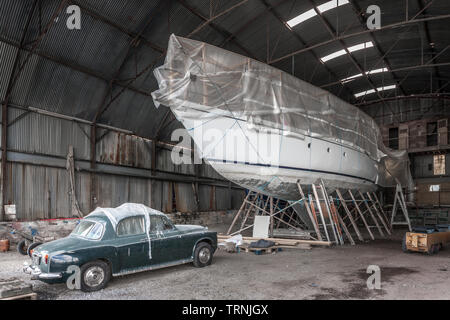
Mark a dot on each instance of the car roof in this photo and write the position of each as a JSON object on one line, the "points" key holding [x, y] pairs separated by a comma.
{"points": [[115, 215]]}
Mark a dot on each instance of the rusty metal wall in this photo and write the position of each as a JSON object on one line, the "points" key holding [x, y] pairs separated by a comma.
{"points": [[39, 186], [40, 134], [122, 149]]}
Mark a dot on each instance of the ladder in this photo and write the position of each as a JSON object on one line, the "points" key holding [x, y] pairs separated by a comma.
{"points": [[399, 200], [329, 222]]}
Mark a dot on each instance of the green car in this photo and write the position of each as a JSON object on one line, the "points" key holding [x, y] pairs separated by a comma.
{"points": [[114, 242]]}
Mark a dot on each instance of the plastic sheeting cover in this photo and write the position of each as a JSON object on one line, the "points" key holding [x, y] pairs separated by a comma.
{"points": [[201, 80], [115, 215], [394, 168]]}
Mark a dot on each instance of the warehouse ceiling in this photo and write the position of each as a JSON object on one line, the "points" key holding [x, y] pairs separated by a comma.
{"points": [[103, 72]]}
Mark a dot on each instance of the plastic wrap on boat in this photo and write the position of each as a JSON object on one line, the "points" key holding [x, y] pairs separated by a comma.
{"points": [[200, 81], [394, 168]]}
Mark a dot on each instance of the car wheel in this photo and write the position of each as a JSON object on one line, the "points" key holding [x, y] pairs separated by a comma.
{"points": [[22, 247], [32, 246], [203, 255], [94, 276]]}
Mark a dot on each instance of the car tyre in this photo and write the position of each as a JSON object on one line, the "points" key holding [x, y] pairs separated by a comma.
{"points": [[22, 247], [203, 255], [95, 276], [32, 246]]}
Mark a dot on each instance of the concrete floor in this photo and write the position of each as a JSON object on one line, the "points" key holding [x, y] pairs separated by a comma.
{"points": [[320, 273]]}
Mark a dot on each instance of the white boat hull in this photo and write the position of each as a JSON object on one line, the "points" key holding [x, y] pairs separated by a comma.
{"points": [[242, 155]]}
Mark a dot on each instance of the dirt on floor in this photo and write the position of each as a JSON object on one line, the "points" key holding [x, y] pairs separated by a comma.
{"points": [[320, 273]]}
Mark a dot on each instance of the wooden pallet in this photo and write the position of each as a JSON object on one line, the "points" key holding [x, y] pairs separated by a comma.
{"points": [[260, 251], [288, 242], [28, 296]]}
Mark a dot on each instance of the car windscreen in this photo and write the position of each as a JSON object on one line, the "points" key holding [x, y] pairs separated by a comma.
{"points": [[89, 230]]}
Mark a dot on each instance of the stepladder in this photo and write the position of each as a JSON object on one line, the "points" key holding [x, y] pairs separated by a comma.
{"points": [[400, 202]]}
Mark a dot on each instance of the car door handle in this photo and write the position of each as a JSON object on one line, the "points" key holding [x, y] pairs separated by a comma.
{"points": [[144, 240]]}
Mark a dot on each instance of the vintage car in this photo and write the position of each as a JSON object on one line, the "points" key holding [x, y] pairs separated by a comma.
{"points": [[113, 242]]}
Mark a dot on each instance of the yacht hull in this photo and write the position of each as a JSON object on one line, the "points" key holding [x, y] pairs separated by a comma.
{"points": [[272, 163]]}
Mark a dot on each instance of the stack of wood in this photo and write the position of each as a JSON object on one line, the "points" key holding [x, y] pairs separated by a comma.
{"points": [[279, 243], [15, 289]]}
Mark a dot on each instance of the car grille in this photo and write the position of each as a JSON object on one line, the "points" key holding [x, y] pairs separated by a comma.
{"points": [[36, 259]]}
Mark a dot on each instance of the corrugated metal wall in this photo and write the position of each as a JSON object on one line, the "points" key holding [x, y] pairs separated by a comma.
{"points": [[39, 186]]}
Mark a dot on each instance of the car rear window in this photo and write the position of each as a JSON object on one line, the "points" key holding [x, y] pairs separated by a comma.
{"points": [[131, 226], [89, 230]]}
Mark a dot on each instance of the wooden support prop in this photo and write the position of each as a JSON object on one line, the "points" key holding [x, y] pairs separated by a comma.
{"points": [[378, 214], [361, 215], [313, 210], [272, 215], [344, 227], [330, 215], [249, 210], [308, 209], [381, 208], [239, 212], [349, 215], [340, 223], [371, 214]]}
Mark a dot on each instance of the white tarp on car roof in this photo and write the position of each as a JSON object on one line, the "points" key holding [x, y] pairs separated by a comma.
{"points": [[115, 215]]}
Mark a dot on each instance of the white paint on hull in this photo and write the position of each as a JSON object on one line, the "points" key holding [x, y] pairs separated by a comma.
{"points": [[240, 154]]}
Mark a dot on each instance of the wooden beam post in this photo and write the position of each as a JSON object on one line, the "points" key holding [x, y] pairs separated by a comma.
{"points": [[360, 214]]}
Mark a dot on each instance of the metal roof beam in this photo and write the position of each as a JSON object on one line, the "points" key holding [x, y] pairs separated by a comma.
{"points": [[332, 33], [98, 17], [249, 22], [442, 96], [218, 29], [210, 20], [72, 66], [134, 42], [351, 35], [11, 83], [299, 39], [428, 36], [417, 67], [357, 11]]}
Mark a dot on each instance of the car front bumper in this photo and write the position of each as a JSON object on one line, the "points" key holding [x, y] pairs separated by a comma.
{"points": [[37, 274]]}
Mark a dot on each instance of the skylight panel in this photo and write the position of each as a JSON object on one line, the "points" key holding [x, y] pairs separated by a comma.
{"points": [[302, 17], [387, 88], [350, 49], [378, 71], [312, 13], [360, 46], [352, 77], [360, 94], [331, 5], [360, 74], [333, 55]]}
